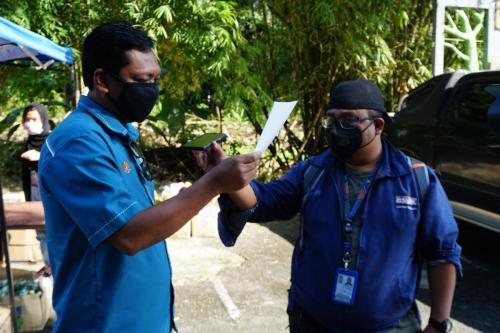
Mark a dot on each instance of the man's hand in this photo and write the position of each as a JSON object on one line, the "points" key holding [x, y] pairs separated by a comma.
{"points": [[158, 222], [229, 174], [31, 155], [206, 160]]}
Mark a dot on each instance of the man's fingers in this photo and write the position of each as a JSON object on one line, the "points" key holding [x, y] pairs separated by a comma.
{"points": [[215, 147], [237, 171], [244, 163], [201, 160], [247, 167], [248, 170], [217, 153], [249, 158]]}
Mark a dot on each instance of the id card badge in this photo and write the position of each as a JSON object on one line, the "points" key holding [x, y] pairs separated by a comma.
{"points": [[344, 290]]}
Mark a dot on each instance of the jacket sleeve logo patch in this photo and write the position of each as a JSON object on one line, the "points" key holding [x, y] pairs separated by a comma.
{"points": [[406, 201], [125, 167]]}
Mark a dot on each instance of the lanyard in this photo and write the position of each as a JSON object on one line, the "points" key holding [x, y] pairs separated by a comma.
{"points": [[349, 214], [140, 163]]}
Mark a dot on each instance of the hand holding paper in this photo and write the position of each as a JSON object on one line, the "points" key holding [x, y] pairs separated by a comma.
{"points": [[279, 114]]}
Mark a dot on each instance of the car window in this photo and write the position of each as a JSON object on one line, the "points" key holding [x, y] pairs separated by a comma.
{"points": [[424, 103], [476, 100]]}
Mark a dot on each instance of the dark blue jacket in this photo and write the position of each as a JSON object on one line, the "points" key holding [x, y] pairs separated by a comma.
{"points": [[397, 232]]}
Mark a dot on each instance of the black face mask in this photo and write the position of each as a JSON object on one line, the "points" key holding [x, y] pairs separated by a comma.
{"points": [[136, 100], [345, 142]]}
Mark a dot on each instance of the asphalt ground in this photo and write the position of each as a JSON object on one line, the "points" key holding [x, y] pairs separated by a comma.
{"points": [[238, 289], [244, 288]]}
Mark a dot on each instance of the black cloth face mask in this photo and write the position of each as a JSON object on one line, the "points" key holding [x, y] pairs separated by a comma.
{"points": [[345, 142], [136, 100]]}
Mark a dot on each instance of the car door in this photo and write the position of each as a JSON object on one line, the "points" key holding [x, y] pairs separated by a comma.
{"points": [[416, 121], [468, 149]]}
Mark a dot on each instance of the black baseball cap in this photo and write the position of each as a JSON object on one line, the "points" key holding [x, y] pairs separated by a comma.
{"points": [[358, 94]]}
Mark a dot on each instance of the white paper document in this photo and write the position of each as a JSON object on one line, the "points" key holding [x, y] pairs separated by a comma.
{"points": [[279, 114]]}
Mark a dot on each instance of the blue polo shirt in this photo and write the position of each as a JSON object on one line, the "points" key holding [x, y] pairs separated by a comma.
{"points": [[91, 185]]}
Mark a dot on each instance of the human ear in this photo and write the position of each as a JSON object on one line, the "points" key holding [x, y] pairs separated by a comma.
{"points": [[379, 125], [100, 81]]}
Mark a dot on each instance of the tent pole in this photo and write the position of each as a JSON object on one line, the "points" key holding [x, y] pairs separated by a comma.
{"points": [[74, 85], [8, 271]]}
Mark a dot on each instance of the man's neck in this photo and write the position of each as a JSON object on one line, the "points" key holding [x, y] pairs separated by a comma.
{"points": [[105, 103], [367, 161], [365, 167]]}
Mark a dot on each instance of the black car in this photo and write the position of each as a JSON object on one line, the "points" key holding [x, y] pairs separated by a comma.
{"points": [[451, 122]]}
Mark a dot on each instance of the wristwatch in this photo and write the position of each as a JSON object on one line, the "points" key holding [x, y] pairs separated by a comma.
{"points": [[444, 326]]}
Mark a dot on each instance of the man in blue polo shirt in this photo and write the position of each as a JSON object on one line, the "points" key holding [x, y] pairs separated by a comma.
{"points": [[105, 233]]}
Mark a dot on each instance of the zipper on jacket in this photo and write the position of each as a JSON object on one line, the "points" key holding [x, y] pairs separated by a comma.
{"points": [[342, 215], [362, 220], [362, 223]]}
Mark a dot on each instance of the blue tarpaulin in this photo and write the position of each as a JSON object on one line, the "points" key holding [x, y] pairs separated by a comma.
{"points": [[18, 43]]}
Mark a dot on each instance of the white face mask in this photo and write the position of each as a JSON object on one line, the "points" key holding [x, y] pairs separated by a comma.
{"points": [[33, 128]]}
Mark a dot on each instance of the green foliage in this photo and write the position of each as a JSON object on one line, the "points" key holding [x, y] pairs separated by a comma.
{"points": [[65, 23], [330, 41], [10, 163], [225, 62]]}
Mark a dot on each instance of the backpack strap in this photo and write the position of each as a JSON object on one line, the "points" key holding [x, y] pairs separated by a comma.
{"points": [[311, 179], [421, 176], [312, 176]]}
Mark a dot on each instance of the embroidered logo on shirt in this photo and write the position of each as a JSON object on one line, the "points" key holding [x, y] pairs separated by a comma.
{"points": [[125, 167], [406, 201]]}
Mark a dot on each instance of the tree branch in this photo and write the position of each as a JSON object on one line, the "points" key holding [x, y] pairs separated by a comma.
{"points": [[465, 20], [479, 16], [479, 26], [457, 51], [456, 32], [451, 22]]}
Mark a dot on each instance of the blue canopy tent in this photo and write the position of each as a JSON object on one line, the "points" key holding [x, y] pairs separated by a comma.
{"points": [[18, 45]]}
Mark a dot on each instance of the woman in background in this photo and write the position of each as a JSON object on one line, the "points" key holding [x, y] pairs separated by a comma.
{"points": [[36, 124]]}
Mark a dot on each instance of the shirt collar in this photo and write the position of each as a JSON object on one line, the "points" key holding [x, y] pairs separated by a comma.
{"points": [[107, 119], [392, 162]]}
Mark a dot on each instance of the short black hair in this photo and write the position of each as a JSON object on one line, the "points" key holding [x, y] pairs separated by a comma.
{"points": [[106, 45]]}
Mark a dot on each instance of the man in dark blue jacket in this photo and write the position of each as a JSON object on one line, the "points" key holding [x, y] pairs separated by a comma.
{"points": [[365, 228]]}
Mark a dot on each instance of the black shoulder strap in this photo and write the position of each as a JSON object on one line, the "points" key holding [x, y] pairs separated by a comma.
{"points": [[312, 175], [421, 175], [311, 178]]}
